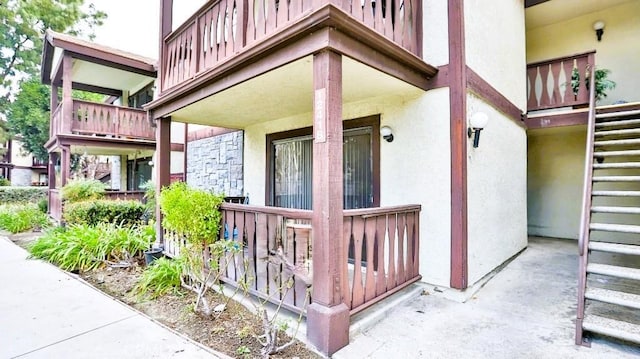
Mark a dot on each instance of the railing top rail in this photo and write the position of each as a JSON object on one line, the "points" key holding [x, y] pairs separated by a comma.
{"points": [[108, 192], [382, 210], [110, 105], [191, 20], [286, 212], [561, 58]]}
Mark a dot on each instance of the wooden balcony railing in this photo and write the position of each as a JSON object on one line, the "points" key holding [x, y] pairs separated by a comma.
{"points": [[124, 195], [270, 235], [91, 118], [223, 28], [38, 163], [55, 204], [560, 82]]}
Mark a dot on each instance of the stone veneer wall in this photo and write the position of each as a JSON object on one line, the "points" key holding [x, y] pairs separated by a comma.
{"points": [[216, 163], [21, 177]]}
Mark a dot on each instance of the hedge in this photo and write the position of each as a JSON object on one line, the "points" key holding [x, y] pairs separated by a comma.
{"points": [[22, 194], [126, 213]]}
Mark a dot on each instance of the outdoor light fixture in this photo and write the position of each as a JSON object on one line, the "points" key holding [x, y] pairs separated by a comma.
{"points": [[385, 132], [477, 122], [599, 27], [150, 163]]}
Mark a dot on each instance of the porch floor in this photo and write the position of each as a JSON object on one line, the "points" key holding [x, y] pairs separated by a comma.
{"points": [[526, 311]]}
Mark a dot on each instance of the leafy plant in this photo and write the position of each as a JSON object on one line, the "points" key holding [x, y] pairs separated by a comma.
{"points": [[22, 194], [83, 248], [125, 213], [43, 205], [149, 189], [161, 277], [4, 182], [21, 218], [603, 84], [82, 190]]}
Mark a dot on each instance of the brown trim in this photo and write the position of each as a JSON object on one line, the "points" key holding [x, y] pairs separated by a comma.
{"points": [[441, 79], [573, 118], [177, 147], [163, 167], [208, 132], [369, 121], [80, 140], [110, 61], [97, 89], [560, 58], [483, 89], [310, 35], [458, 133], [530, 3], [184, 152]]}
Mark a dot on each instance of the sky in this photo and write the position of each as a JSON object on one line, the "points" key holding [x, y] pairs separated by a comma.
{"points": [[132, 25]]}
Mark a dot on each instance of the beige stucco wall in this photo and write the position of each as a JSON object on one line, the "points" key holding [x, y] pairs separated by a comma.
{"points": [[495, 45], [435, 26], [497, 192], [415, 167], [177, 162], [19, 157], [618, 51], [556, 168]]}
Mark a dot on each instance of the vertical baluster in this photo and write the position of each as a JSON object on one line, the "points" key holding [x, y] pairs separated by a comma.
{"points": [[381, 280], [377, 16], [401, 246], [358, 234], [270, 24], [367, 17], [370, 233], [356, 9], [397, 22], [231, 224], [283, 13], [222, 263], [251, 21], [250, 225], [260, 19], [295, 9], [289, 238], [301, 248], [262, 253], [240, 256], [410, 243], [348, 240], [392, 280], [556, 97], [406, 24], [569, 96], [416, 244], [273, 275], [532, 74], [116, 122], [544, 75], [583, 69]]}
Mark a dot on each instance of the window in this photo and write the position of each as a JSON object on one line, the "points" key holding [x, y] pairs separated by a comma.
{"points": [[138, 172], [142, 97], [290, 169]]}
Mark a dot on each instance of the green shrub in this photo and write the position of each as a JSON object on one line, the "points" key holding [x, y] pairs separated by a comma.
{"points": [[43, 205], [160, 278], [22, 194], [21, 218], [82, 190], [4, 182], [126, 213], [83, 247]]}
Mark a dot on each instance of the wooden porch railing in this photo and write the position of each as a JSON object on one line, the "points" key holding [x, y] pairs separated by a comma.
{"points": [[384, 252], [91, 118], [270, 235], [55, 204], [549, 83], [223, 28], [124, 195]]}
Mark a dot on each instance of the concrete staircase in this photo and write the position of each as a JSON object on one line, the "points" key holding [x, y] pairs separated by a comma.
{"points": [[609, 285]]}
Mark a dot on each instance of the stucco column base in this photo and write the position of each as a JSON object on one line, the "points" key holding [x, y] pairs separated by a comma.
{"points": [[328, 327]]}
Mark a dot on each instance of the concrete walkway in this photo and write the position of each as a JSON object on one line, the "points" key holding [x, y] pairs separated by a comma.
{"points": [[46, 313], [526, 311]]}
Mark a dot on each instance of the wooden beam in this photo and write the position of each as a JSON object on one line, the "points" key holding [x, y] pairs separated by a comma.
{"points": [[328, 316], [484, 90], [162, 167], [573, 118], [530, 3], [458, 130], [67, 101]]}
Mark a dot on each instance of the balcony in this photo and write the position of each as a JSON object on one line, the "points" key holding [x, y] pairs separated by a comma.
{"points": [[102, 120], [38, 163], [222, 31]]}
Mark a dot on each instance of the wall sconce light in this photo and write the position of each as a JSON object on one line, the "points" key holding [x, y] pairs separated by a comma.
{"points": [[598, 26], [150, 163], [386, 133], [477, 122]]}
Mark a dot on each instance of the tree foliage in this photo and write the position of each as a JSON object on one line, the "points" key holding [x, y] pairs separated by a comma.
{"points": [[22, 29]]}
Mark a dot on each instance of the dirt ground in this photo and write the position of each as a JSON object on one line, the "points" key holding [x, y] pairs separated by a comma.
{"points": [[233, 332]]}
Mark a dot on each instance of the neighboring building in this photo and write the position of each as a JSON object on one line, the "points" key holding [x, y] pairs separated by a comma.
{"points": [[20, 167]]}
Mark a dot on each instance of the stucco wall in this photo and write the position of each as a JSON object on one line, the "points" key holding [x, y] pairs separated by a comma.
{"points": [[19, 157], [618, 51], [115, 172], [495, 45], [435, 46], [497, 192], [415, 167], [21, 177]]}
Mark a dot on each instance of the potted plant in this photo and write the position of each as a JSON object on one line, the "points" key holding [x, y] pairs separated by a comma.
{"points": [[603, 84]]}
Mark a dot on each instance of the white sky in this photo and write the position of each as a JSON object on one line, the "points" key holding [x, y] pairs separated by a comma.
{"points": [[132, 25]]}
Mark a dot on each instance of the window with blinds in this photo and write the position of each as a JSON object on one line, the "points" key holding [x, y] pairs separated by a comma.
{"points": [[293, 173]]}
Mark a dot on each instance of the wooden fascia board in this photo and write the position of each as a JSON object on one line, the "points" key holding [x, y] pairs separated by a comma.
{"points": [[557, 120], [480, 87], [80, 140]]}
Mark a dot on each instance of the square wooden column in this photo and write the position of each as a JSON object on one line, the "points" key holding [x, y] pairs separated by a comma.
{"points": [[162, 167], [65, 165], [51, 169], [328, 316], [67, 99], [53, 105]]}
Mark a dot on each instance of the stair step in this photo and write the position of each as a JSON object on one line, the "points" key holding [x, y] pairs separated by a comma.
{"points": [[621, 165], [617, 123], [610, 115], [616, 153], [614, 248], [616, 193], [625, 132], [613, 297], [609, 209], [606, 227], [614, 271], [612, 328], [632, 141], [616, 178]]}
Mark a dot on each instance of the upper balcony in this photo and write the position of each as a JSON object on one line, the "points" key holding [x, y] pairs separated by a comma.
{"points": [[116, 125]]}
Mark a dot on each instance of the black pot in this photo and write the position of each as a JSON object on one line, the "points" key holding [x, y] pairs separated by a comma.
{"points": [[152, 254]]}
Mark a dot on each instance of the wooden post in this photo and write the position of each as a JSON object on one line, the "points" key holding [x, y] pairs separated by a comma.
{"points": [[65, 165], [53, 105], [184, 153], [166, 22], [328, 316], [53, 158], [162, 167], [67, 100]]}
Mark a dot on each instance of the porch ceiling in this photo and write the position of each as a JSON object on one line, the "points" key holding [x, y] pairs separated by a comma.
{"points": [[555, 11], [90, 73], [284, 92]]}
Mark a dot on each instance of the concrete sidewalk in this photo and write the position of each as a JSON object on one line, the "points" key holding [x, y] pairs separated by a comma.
{"points": [[46, 313], [526, 311]]}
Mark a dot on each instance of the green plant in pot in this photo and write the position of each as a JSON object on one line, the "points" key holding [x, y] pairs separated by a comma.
{"points": [[603, 84]]}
